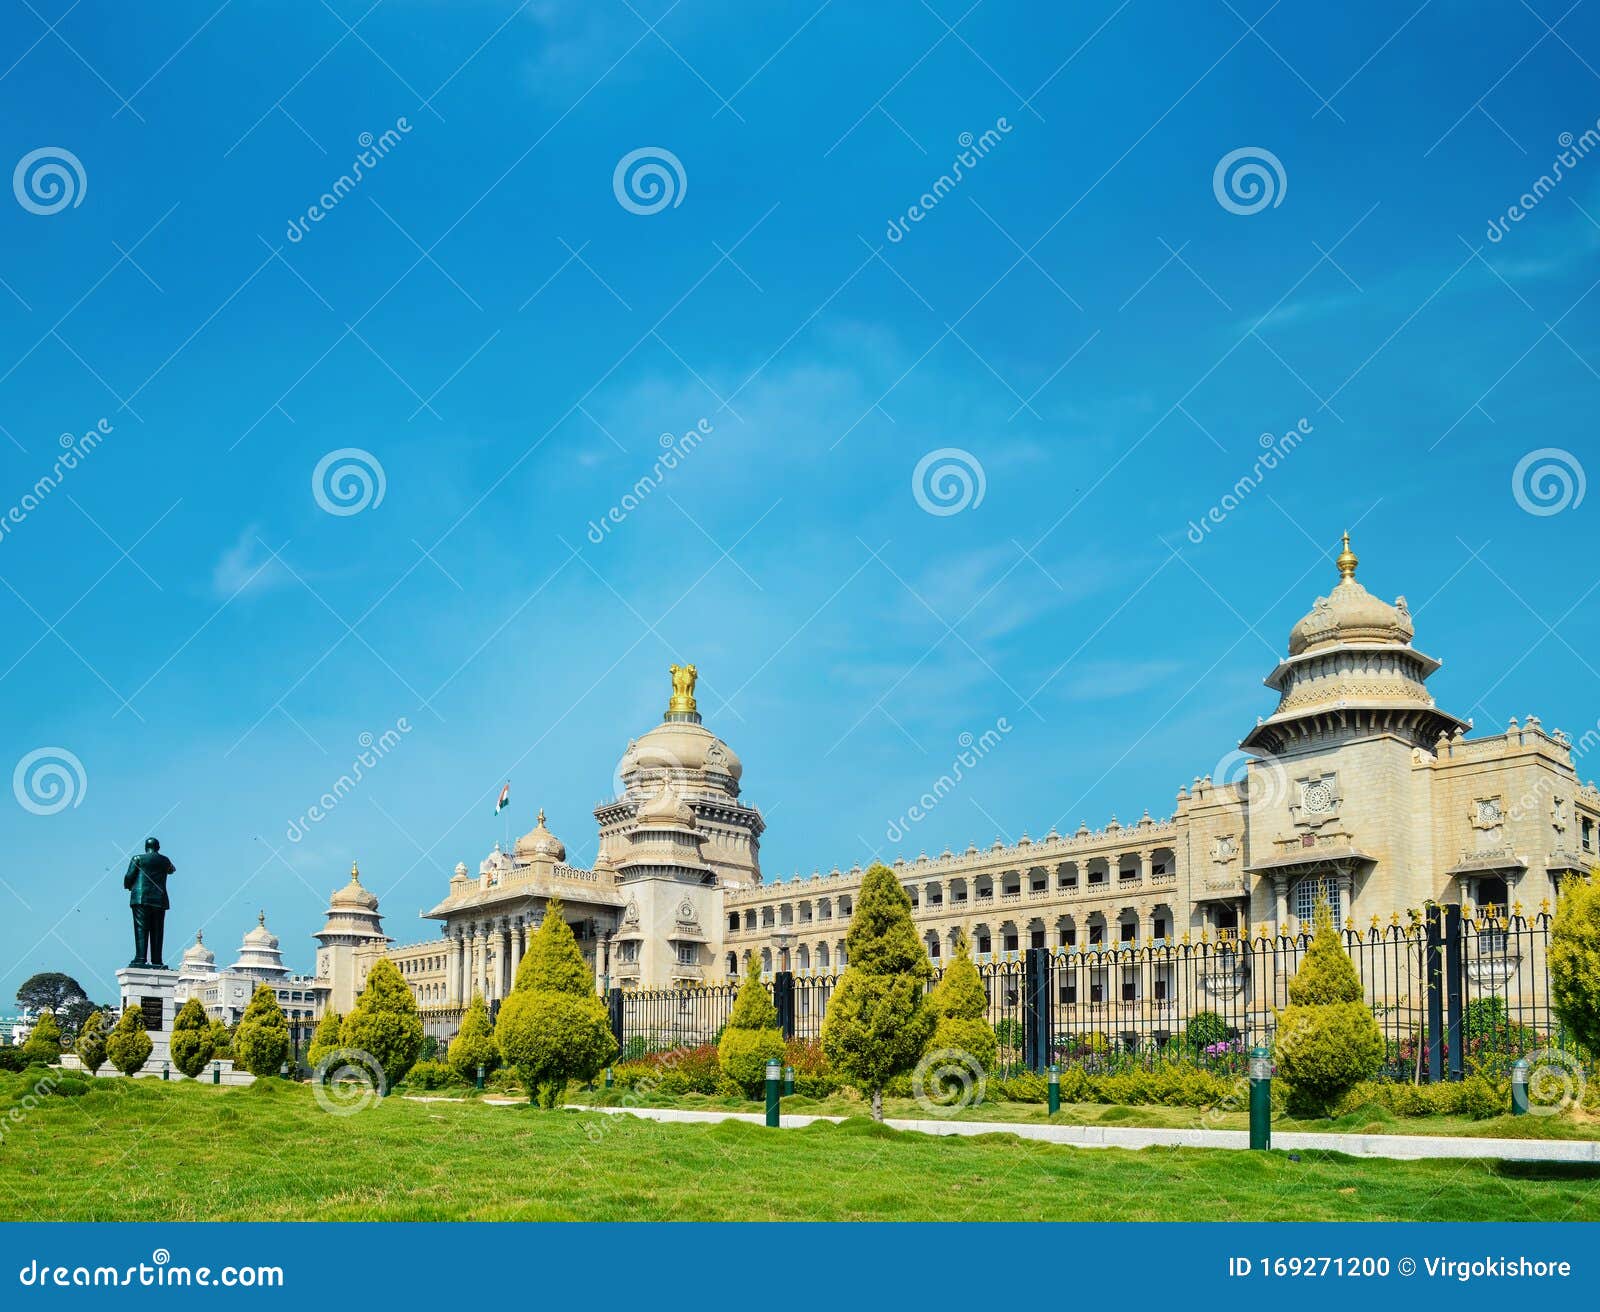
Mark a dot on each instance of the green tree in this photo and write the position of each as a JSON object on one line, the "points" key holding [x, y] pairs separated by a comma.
{"points": [[191, 1039], [221, 1041], [877, 1022], [261, 1042], [1327, 1040], [43, 1044], [751, 1037], [326, 1039], [1575, 960], [960, 1008], [473, 1045], [385, 1023], [48, 991], [91, 1046], [129, 1046], [553, 1028]]}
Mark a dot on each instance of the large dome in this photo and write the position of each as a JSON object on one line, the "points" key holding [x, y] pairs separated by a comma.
{"points": [[681, 745], [1351, 614], [352, 895], [197, 953]]}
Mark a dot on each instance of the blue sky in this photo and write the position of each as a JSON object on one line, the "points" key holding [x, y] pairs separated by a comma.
{"points": [[1080, 316]]}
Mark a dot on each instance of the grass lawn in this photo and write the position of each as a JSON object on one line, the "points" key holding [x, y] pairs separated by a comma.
{"points": [[1368, 1120], [135, 1149]]}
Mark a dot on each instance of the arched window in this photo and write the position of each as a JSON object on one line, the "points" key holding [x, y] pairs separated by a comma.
{"points": [[766, 961], [822, 956], [1313, 889], [733, 963], [803, 957]]}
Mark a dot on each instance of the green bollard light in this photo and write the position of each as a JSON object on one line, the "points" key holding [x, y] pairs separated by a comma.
{"points": [[774, 1072], [1519, 1087], [1260, 1097], [216, 1072], [608, 1077], [1055, 1088], [480, 1077], [788, 1081]]}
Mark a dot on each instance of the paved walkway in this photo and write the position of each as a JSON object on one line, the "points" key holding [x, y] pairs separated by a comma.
{"points": [[1405, 1147]]}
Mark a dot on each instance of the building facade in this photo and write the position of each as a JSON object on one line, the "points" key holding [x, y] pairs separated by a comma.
{"points": [[1356, 788]]}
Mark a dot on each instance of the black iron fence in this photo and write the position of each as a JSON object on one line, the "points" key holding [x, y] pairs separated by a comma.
{"points": [[1445, 989]]}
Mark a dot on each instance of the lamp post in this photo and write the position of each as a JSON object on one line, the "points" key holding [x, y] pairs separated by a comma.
{"points": [[216, 1072], [165, 1068], [1519, 1087], [773, 1073], [1260, 1097], [1055, 1088], [480, 1077], [788, 1081]]}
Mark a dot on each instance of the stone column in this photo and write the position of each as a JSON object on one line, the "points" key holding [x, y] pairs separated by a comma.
{"points": [[1146, 857], [518, 940], [502, 963], [452, 970]]}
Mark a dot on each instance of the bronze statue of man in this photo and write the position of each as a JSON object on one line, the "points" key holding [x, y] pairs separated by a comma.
{"points": [[146, 881]]}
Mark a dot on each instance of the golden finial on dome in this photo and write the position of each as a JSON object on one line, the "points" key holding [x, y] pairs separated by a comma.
{"points": [[355, 873], [541, 815], [683, 681], [1348, 560]]}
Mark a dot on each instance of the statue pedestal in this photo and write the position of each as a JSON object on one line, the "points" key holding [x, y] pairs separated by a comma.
{"points": [[152, 992]]}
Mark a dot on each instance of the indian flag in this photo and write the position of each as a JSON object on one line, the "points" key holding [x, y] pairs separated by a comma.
{"points": [[505, 798]]}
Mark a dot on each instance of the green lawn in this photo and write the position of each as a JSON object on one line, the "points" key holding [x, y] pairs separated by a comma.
{"points": [[137, 1150], [1369, 1120]]}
